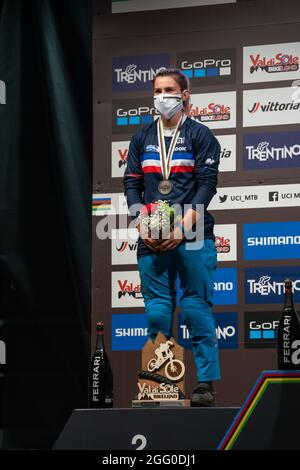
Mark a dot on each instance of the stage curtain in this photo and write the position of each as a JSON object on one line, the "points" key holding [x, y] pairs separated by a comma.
{"points": [[45, 215]]}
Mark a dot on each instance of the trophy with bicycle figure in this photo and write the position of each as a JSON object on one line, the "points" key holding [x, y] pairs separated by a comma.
{"points": [[162, 374]]}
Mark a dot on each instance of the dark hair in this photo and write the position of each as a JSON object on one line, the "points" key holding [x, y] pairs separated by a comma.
{"points": [[178, 76]]}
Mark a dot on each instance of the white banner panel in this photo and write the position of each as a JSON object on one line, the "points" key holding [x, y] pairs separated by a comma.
{"points": [[215, 110], [124, 246], [126, 290], [226, 242], [254, 197], [271, 62], [119, 152], [271, 106], [124, 6], [228, 152]]}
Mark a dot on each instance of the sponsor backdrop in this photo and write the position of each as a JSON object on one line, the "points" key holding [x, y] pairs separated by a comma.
{"points": [[245, 87]]}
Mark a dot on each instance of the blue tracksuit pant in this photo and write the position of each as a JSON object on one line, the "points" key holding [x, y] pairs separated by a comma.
{"points": [[195, 268]]}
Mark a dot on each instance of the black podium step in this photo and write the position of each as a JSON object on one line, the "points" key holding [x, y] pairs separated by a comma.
{"points": [[149, 429]]}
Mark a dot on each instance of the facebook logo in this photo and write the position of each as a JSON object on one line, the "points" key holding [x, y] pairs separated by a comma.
{"points": [[273, 196]]}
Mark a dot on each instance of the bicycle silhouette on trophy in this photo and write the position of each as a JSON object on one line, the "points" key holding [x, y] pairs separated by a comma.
{"points": [[174, 369]]}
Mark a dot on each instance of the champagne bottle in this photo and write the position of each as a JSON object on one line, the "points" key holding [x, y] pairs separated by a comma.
{"points": [[288, 334], [100, 375]]}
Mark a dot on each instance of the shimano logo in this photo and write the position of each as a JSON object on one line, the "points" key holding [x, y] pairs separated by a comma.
{"points": [[2, 352], [131, 74], [270, 241], [130, 332], [264, 286], [264, 153], [2, 92], [223, 286]]}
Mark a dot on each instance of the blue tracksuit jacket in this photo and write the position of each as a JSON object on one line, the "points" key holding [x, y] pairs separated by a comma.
{"points": [[194, 170]]}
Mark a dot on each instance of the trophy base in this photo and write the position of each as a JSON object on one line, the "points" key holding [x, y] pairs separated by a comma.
{"points": [[161, 404]]}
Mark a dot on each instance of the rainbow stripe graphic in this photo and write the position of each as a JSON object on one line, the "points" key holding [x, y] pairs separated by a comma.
{"points": [[265, 379], [100, 204]]}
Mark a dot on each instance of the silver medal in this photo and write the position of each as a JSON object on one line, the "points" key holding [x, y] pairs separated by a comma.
{"points": [[165, 187]]}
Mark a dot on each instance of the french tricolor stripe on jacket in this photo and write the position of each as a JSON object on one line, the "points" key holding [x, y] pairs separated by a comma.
{"points": [[181, 162]]}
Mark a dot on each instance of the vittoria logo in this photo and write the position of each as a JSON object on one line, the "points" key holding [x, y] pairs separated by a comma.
{"points": [[271, 106], [271, 62], [274, 106], [126, 246]]}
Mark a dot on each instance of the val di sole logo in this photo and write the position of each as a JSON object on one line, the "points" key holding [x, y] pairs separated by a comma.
{"points": [[208, 67], [261, 329], [215, 110], [271, 62]]}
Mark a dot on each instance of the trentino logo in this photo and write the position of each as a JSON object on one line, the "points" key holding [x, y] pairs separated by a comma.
{"points": [[261, 329], [266, 285], [273, 240], [226, 331], [274, 106], [137, 72], [272, 150], [129, 332], [208, 66]]}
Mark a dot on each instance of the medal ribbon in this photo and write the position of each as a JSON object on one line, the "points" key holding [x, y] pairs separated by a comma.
{"points": [[165, 160]]}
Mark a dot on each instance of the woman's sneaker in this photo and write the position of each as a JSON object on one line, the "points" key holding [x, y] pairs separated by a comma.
{"points": [[203, 395]]}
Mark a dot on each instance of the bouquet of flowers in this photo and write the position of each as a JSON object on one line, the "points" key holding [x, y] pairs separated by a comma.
{"points": [[158, 219]]}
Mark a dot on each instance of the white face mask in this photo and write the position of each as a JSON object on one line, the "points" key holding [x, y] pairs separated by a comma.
{"points": [[167, 104]]}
